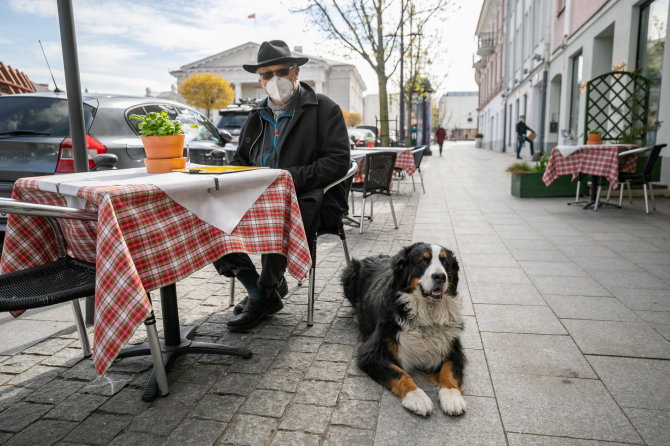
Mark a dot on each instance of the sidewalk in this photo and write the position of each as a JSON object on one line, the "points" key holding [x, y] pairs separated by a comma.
{"points": [[568, 322]]}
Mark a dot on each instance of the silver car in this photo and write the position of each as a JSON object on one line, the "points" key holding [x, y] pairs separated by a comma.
{"points": [[34, 134]]}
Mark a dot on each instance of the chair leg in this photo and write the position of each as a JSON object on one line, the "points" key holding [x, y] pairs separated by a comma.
{"points": [[393, 211], [231, 292], [343, 237], [653, 200], [311, 285], [595, 206], [421, 178], [353, 199], [609, 192], [372, 208], [156, 355], [413, 186], [646, 199], [579, 183], [360, 228], [630, 192], [81, 327]]}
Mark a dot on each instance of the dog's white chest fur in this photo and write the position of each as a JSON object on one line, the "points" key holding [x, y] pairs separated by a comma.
{"points": [[424, 340]]}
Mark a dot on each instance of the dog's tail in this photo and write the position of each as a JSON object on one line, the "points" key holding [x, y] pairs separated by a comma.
{"points": [[350, 281]]}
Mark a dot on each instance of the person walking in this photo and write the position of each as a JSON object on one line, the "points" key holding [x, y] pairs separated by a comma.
{"points": [[303, 132], [521, 138], [440, 135]]}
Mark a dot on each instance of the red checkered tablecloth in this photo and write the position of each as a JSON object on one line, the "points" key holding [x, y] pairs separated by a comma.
{"points": [[599, 160], [143, 240]]}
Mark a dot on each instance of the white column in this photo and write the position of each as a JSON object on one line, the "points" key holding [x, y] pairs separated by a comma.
{"points": [[238, 91], [663, 135]]}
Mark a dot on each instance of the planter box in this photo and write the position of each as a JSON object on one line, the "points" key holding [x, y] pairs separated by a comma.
{"points": [[530, 185]]}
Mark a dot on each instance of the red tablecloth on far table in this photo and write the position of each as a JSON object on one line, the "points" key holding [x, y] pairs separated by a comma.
{"points": [[143, 240], [599, 160]]}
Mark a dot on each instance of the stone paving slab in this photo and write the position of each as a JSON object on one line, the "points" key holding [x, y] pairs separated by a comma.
{"points": [[542, 284]]}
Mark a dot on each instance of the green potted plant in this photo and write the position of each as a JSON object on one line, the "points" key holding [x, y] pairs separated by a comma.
{"points": [[163, 140], [594, 137], [527, 181], [478, 140]]}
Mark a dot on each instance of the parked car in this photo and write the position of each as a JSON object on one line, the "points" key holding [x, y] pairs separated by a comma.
{"points": [[233, 118], [34, 134], [360, 137], [374, 130]]}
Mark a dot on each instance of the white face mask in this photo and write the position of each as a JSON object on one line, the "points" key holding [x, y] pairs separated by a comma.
{"points": [[280, 89]]}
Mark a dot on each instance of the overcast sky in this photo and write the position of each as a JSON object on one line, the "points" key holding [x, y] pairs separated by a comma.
{"points": [[125, 46]]}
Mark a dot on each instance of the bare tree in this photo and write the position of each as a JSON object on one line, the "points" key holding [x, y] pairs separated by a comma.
{"points": [[372, 29]]}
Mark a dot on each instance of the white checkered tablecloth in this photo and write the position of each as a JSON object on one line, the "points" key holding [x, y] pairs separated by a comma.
{"points": [[599, 160], [143, 240]]}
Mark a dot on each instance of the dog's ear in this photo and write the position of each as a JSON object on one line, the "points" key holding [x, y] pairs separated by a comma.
{"points": [[452, 273], [400, 267]]}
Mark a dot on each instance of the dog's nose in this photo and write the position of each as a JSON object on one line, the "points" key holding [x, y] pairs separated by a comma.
{"points": [[439, 277]]}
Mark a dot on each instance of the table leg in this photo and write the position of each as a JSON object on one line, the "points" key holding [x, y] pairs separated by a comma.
{"points": [[595, 185], [177, 341]]}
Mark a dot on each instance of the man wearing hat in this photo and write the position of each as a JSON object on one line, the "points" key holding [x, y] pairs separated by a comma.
{"points": [[298, 130]]}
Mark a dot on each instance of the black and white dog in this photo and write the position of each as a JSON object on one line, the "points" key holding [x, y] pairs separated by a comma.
{"points": [[410, 318]]}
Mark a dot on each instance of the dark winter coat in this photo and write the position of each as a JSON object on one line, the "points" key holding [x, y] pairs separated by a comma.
{"points": [[440, 134], [315, 150], [522, 128]]}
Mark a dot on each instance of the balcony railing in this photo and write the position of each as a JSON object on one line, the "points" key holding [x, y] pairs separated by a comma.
{"points": [[486, 44]]}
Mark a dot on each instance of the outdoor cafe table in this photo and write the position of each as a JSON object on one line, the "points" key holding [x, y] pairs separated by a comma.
{"points": [[144, 240], [600, 160]]}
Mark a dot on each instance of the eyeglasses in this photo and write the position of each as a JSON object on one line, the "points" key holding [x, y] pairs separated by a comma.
{"points": [[282, 72]]}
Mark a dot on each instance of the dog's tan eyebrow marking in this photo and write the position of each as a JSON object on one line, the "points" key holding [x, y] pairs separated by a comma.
{"points": [[443, 254], [426, 255]]}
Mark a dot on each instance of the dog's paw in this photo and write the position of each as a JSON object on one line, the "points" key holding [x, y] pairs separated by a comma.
{"points": [[452, 402], [418, 402]]}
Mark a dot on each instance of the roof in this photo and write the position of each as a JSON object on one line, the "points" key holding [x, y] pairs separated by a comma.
{"points": [[462, 93], [13, 81]]}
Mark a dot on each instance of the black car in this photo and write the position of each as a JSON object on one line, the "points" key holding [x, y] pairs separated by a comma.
{"points": [[234, 116], [34, 134]]}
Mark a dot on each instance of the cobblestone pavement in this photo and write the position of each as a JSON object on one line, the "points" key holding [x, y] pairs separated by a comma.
{"points": [[568, 322]]}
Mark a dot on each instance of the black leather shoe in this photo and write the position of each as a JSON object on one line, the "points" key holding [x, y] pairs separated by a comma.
{"points": [[282, 289], [254, 312]]}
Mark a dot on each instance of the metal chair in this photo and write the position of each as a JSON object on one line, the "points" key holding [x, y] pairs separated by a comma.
{"points": [[626, 177], [377, 181], [336, 229], [418, 156], [62, 280]]}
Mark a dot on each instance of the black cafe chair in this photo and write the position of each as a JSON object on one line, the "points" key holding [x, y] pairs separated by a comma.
{"points": [[418, 157], [62, 280], [625, 178], [324, 228], [376, 181]]}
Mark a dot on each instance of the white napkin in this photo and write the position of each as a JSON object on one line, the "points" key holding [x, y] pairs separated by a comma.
{"points": [[567, 150], [222, 208]]}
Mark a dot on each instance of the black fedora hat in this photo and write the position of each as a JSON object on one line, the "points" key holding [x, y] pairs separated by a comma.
{"points": [[274, 52]]}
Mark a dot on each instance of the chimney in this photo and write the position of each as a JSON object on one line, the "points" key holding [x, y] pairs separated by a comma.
{"points": [[297, 49]]}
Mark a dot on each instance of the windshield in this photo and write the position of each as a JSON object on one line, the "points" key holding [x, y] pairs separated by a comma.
{"points": [[26, 116], [232, 123]]}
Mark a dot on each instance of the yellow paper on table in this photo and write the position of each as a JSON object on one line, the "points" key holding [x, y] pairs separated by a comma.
{"points": [[217, 169]]}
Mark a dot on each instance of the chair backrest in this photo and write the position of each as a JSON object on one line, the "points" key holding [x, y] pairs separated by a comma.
{"points": [[418, 155], [651, 161], [654, 153], [379, 171]]}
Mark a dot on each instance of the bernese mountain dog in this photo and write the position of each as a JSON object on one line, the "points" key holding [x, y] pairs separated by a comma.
{"points": [[410, 318]]}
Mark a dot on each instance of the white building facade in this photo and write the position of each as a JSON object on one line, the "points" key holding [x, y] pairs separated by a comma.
{"points": [[458, 113], [339, 81], [600, 36], [488, 65]]}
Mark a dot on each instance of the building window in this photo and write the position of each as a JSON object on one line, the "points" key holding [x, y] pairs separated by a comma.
{"points": [[575, 86], [651, 45]]}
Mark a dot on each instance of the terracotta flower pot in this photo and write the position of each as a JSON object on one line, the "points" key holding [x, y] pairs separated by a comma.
{"points": [[161, 147], [164, 165], [594, 139]]}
